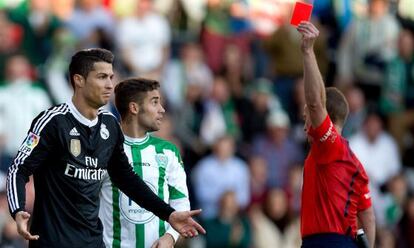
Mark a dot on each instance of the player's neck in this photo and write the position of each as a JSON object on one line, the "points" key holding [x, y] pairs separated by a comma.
{"points": [[86, 110], [338, 129], [132, 129]]}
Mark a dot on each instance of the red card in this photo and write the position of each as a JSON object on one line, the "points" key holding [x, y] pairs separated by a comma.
{"points": [[301, 12]]}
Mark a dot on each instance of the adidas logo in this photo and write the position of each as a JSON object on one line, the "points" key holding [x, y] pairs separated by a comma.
{"points": [[74, 132]]}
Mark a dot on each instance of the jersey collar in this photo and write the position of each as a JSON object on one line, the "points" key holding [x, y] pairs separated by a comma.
{"points": [[136, 141], [78, 116]]}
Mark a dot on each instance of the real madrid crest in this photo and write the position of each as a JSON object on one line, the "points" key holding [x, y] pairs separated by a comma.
{"points": [[75, 147], [104, 132]]}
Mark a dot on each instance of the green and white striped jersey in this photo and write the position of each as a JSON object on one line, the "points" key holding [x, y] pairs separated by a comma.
{"points": [[159, 164]]}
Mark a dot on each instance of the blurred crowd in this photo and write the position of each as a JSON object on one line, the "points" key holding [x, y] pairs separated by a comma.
{"points": [[231, 78]]}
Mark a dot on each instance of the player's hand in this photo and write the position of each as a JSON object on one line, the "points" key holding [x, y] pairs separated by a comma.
{"points": [[22, 220], [309, 34], [185, 224], [166, 241]]}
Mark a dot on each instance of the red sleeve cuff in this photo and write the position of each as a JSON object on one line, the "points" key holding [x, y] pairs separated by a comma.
{"points": [[364, 202], [324, 130]]}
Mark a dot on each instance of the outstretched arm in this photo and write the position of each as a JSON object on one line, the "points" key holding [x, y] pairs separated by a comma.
{"points": [[315, 96]]}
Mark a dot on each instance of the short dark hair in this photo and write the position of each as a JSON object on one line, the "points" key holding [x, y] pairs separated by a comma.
{"points": [[336, 105], [83, 61], [132, 90]]}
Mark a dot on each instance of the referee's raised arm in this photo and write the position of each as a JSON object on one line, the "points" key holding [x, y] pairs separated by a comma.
{"points": [[315, 96]]}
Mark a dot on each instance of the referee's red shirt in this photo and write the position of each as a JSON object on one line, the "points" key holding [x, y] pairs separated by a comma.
{"points": [[335, 185]]}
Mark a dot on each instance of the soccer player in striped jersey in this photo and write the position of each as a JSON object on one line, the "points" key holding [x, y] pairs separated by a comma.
{"points": [[156, 161]]}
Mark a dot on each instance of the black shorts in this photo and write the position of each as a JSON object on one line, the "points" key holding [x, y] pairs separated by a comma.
{"points": [[328, 240]]}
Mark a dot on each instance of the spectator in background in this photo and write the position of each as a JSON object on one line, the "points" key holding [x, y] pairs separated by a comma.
{"points": [[10, 39], [64, 44], [220, 116], [20, 102], [258, 180], [38, 26], [230, 228], [274, 226], [378, 152], [88, 20], [190, 68], [406, 13], [188, 123], [397, 96], [294, 188], [143, 41], [357, 111], [220, 172], [265, 17], [185, 17], [367, 46], [278, 149], [236, 69], [296, 116], [262, 102], [395, 199], [225, 24], [386, 238], [405, 229]]}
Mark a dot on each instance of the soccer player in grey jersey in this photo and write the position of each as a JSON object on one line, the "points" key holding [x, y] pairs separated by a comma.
{"points": [[68, 150]]}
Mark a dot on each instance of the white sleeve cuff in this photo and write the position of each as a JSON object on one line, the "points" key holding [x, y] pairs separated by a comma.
{"points": [[173, 233]]}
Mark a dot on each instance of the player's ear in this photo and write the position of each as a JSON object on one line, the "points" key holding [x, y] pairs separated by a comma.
{"points": [[79, 81], [133, 108]]}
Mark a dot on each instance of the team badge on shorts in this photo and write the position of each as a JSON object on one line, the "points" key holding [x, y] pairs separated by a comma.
{"points": [[75, 147]]}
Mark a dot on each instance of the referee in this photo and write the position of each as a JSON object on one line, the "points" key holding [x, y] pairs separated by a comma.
{"points": [[335, 193], [68, 150]]}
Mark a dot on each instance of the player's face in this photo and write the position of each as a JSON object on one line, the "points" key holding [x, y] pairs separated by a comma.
{"points": [[151, 112], [98, 87]]}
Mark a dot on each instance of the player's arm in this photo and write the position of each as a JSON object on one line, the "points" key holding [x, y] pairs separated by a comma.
{"points": [[367, 222], [315, 96], [134, 187], [177, 188], [35, 149], [366, 215], [123, 177]]}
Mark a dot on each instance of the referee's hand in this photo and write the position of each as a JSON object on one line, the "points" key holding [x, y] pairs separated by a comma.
{"points": [[22, 220], [183, 223]]}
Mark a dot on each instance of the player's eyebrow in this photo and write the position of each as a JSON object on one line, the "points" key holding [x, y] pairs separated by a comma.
{"points": [[105, 74]]}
